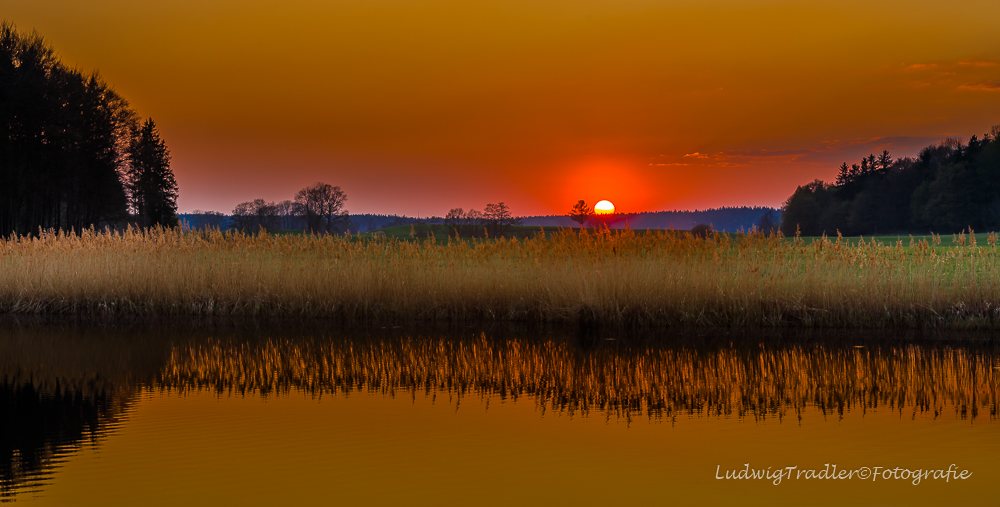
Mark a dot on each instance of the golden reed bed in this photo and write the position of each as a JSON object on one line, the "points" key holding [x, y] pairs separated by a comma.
{"points": [[609, 278]]}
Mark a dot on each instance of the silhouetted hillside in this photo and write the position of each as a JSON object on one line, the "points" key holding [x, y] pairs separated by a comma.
{"points": [[722, 219], [729, 219], [360, 223]]}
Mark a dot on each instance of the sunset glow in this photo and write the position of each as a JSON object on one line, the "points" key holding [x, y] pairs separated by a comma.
{"points": [[604, 208], [419, 107], [531, 252]]}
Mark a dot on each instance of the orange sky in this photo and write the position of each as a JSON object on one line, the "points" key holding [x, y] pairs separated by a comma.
{"points": [[418, 106]]}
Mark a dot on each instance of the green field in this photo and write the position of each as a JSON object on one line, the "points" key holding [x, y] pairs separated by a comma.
{"points": [[946, 240], [441, 232]]}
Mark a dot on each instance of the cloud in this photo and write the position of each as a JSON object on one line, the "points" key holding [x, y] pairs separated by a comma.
{"points": [[921, 66], [820, 159], [989, 86], [767, 153], [825, 155], [977, 63]]}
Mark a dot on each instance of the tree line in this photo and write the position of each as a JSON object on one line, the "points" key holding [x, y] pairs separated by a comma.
{"points": [[494, 221], [73, 153], [732, 219], [948, 187], [318, 208]]}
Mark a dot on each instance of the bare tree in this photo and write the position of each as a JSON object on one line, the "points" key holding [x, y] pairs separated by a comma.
{"points": [[322, 205], [581, 212], [254, 216], [474, 222], [454, 219], [702, 231], [286, 212], [498, 219], [199, 219]]}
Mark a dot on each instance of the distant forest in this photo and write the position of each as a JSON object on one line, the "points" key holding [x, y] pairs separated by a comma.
{"points": [[729, 219], [73, 154], [294, 222], [947, 188], [362, 222], [722, 219]]}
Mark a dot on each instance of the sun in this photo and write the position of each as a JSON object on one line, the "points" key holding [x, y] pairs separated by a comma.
{"points": [[604, 208]]}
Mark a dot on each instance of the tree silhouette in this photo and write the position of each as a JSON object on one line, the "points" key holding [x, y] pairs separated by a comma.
{"points": [[581, 212], [454, 218], [949, 186], [498, 219], [286, 213], [702, 231], [475, 222], [322, 205], [769, 223], [256, 215], [64, 140], [152, 188]]}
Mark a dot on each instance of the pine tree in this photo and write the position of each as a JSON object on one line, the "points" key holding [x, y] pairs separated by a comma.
{"points": [[581, 212], [152, 187]]}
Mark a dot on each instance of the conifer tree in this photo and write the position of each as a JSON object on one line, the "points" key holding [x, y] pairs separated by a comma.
{"points": [[581, 212], [152, 187]]}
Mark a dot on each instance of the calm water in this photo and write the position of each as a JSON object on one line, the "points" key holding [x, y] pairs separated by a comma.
{"points": [[209, 415]]}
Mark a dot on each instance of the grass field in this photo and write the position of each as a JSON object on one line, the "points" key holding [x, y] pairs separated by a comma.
{"points": [[617, 278]]}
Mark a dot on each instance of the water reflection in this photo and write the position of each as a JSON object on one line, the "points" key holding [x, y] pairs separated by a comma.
{"points": [[756, 380], [63, 387], [39, 425]]}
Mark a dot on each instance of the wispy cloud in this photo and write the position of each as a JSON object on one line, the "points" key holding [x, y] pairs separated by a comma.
{"points": [[989, 86], [764, 153], [977, 63], [825, 155], [968, 74]]}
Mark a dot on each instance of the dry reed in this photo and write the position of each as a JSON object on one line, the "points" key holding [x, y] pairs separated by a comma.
{"points": [[608, 278]]}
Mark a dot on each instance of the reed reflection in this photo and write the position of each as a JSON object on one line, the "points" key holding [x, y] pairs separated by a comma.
{"points": [[756, 381], [65, 387]]}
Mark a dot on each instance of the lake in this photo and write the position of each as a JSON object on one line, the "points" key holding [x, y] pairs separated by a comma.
{"points": [[214, 413]]}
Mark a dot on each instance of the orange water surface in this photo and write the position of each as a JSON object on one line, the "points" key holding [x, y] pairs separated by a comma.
{"points": [[263, 418]]}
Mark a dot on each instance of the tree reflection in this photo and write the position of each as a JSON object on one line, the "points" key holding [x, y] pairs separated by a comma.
{"points": [[39, 425], [64, 387]]}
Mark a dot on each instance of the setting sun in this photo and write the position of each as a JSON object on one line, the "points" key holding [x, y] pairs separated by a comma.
{"points": [[604, 208]]}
